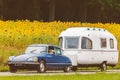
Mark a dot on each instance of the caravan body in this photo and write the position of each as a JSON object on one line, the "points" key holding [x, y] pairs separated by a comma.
{"points": [[89, 47]]}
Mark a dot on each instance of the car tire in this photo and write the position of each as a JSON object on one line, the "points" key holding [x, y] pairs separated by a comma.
{"points": [[42, 67], [66, 69], [12, 69], [103, 66], [74, 68]]}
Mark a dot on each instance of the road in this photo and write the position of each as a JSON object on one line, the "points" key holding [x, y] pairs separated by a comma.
{"points": [[31, 73]]}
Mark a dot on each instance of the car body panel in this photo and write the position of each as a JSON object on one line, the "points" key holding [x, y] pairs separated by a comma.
{"points": [[58, 61]]}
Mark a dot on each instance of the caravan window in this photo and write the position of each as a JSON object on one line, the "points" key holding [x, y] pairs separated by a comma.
{"points": [[103, 43], [60, 42], [71, 42], [111, 43], [86, 43]]}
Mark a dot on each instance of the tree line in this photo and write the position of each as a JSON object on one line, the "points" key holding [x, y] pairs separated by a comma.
{"points": [[61, 10]]}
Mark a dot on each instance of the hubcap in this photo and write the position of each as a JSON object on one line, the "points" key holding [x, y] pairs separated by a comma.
{"points": [[42, 67], [104, 66], [68, 68]]}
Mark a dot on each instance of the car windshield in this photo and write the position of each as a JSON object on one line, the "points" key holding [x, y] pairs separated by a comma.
{"points": [[33, 49]]}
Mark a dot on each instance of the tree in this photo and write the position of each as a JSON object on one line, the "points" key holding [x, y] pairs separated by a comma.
{"points": [[82, 11], [104, 10], [1, 9]]}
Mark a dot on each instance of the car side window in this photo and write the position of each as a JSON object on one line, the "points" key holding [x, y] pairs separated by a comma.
{"points": [[51, 50], [58, 51]]}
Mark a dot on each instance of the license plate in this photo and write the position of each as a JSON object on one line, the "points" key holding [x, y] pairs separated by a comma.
{"points": [[18, 64]]}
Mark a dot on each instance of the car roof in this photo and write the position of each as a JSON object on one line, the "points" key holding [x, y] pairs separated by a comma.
{"points": [[37, 45]]}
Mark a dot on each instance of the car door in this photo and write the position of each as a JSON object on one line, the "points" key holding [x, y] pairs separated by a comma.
{"points": [[59, 58], [56, 59], [52, 58]]}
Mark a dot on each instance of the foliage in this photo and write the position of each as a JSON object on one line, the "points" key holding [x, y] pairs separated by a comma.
{"points": [[103, 9], [17, 35]]}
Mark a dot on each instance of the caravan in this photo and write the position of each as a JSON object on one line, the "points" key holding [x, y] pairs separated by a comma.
{"points": [[89, 47]]}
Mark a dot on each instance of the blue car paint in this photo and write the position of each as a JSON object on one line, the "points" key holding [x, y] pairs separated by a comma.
{"points": [[52, 60]]}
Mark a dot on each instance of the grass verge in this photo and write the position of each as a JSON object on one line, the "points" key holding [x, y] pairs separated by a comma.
{"points": [[97, 76]]}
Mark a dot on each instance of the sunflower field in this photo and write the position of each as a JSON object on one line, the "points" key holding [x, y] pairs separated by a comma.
{"points": [[15, 36]]}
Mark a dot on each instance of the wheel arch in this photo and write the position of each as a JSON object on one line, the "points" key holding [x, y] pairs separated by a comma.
{"points": [[104, 62], [42, 59]]}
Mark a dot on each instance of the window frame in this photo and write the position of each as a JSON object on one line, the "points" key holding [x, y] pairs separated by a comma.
{"points": [[111, 44], [65, 45], [61, 42], [103, 43], [85, 45]]}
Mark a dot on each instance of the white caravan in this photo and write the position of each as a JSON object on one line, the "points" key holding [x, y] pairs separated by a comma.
{"points": [[89, 47]]}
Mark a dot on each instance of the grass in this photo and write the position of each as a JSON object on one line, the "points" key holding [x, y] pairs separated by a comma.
{"points": [[97, 76]]}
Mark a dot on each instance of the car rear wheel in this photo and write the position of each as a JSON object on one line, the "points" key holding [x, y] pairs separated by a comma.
{"points": [[66, 69], [103, 66], [74, 68], [42, 67], [12, 69]]}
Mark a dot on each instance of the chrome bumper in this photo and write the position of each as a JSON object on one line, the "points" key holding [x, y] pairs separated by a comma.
{"points": [[22, 63]]}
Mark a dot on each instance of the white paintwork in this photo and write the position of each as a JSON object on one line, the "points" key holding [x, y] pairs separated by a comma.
{"points": [[96, 55]]}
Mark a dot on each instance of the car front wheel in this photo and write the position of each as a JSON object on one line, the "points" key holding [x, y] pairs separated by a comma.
{"points": [[12, 69], [41, 67]]}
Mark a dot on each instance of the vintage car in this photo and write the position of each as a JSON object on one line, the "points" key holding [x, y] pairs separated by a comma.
{"points": [[40, 57]]}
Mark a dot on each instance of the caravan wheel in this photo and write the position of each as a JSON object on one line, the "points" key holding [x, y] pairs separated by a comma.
{"points": [[103, 66]]}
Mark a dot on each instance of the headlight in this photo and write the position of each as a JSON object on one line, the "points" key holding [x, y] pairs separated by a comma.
{"points": [[11, 58], [32, 59]]}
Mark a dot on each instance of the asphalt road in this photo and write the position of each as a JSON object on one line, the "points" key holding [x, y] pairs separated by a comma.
{"points": [[32, 73]]}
